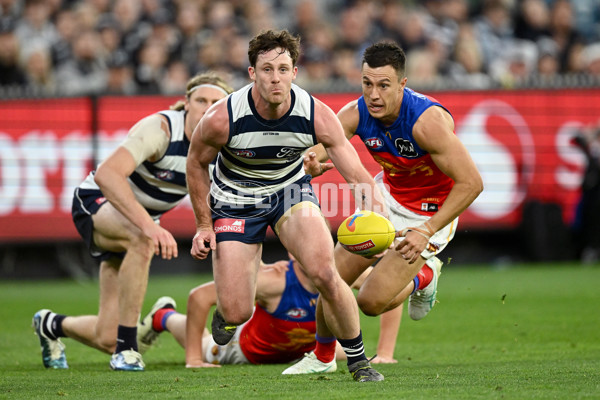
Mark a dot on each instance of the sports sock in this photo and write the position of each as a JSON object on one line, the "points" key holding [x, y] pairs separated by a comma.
{"points": [[423, 278], [57, 325], [159, 320], [126, 338], [52, 326], [354, 349], [325, 349]]}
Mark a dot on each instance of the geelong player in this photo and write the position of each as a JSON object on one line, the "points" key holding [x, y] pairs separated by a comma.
{"points": [[260, 134], [117, 210]]}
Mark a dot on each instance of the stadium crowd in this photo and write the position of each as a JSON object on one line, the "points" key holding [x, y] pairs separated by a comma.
{"points": [[83, 47]]}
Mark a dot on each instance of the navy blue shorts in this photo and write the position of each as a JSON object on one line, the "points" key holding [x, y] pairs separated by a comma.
{"points": [[87, 202], [249, 223]]}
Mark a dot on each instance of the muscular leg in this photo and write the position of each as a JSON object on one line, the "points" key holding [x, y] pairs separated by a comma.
{"points": [[235, 265], [122, 283], [99, 331], [306, 236], [350, 267], [388, 285]]}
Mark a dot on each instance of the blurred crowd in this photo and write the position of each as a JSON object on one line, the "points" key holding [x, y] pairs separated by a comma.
{"points": [[81, 47]]}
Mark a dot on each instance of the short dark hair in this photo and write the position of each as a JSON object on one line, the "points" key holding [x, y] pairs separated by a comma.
{"points": [[268, 40], [381, 54]]}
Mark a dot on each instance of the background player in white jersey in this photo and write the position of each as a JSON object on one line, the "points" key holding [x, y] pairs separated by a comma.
{"points": [[260, 134], [116, 210]]}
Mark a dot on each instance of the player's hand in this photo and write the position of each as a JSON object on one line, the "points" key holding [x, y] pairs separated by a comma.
{"points": [[313, 167], [201, 364], [416, 239], [383, 360], [204, 241], [279, 266], [164, 243], [378, 255], [411, 247]]}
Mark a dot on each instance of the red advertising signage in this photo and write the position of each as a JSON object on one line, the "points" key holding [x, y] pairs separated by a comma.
{"points": [[520, 141]]}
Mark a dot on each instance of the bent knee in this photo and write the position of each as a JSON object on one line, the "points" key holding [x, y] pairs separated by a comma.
{"points": [[369, 305], [236, 317], [142, 245], [326, 280]]}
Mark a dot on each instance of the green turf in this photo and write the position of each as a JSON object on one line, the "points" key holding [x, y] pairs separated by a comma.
{"points": [[521, 332]]}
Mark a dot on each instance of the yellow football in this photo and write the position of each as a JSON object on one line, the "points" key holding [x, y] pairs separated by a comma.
{"points": [[366, 233]]}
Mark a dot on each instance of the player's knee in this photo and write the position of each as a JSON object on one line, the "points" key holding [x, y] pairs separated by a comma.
{"points": [[235, 316], [193, 298], [142, 245], [369, 305], [325, 280]]}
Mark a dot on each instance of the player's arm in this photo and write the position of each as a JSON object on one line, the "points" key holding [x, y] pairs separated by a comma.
{"points": [[270, 284], [147, 140], [434, 133], [209, 136], [389, 324], [330, 133], [199, 304], [314, 160]]}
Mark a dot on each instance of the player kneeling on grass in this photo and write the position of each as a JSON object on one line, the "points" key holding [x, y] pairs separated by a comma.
{"points": [[117, 210], [281, 330], [428, 180]]}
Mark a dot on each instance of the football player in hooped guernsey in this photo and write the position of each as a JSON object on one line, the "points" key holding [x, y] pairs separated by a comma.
{"points": [[428, 180], [117, 211], [260, 134]]}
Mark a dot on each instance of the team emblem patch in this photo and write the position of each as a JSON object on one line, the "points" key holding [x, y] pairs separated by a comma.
{"points": [[374, 143], [296, 313], [244, 153], [405, 148], [165, 175]]}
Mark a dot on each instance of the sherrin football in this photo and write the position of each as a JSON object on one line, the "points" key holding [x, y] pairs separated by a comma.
{"points": [[366, 233]]}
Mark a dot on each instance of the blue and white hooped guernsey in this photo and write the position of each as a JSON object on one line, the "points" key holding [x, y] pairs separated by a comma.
{"points": [[161, 185], [262, 156]]}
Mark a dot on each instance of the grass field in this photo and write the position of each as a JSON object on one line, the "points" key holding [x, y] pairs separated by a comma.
{"points": [[519, 332]]}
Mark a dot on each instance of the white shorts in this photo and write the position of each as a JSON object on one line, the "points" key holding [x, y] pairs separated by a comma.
{"points": [[231, 353], [403, 218]]}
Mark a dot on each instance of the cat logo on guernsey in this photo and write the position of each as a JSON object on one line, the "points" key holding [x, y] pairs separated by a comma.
{"points": [[374, 143], [165, 175], [244, 153]]}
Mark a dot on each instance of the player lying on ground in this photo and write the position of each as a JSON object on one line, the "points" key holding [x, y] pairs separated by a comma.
{"points": [[282, 328]]}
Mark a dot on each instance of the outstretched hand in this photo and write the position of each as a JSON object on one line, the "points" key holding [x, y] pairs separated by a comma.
{"points": [[313, 167], [202, 364], [383, 360]]}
